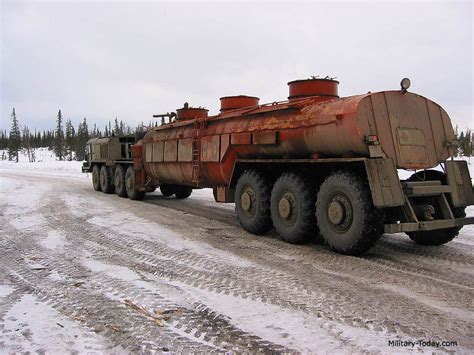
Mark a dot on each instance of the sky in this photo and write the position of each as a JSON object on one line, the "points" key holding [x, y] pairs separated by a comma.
{"points": [[133, 59]]}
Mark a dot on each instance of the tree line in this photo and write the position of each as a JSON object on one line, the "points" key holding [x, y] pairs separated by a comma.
{"points": [[69, 143], [466, 142], [66, 141]]}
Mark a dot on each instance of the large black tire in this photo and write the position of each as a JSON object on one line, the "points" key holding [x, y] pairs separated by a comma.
{"points": [[252, 202], [182, 192], [438, 236], [106, 180], [96, 177], [119, 180], [348, 221], [293, 208], [167, 190], [132, 193]]}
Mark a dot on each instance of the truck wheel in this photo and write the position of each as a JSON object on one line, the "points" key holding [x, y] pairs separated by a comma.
{"points": [[252, 202], [346, 217], [96, 178], [182, 192], [167, 190], [106, 180], [293, 208], [119, 180], [132, 193], [439, 236]]}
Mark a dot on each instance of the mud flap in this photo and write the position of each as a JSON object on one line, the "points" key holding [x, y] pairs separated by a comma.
{"points": [[460, 182], [384, 183]]}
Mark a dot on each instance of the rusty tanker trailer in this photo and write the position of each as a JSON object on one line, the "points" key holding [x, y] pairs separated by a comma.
{"points": [[315, 164]]}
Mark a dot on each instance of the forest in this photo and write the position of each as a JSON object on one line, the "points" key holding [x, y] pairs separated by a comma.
{"points": [[67, 141]]}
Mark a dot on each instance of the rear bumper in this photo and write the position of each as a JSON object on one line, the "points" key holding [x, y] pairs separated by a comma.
{"points": [[427, 225]]}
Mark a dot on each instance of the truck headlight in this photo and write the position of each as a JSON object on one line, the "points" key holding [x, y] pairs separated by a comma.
{"points": [[405, 84]]}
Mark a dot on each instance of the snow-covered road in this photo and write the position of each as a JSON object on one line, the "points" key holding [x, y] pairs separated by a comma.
{"points": [[89, 272]]}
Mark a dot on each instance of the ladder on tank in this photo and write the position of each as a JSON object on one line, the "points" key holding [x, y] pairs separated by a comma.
{"points": [[199, 126]]}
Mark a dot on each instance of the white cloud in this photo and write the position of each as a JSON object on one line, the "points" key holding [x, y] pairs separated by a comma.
{"points": [[107, 59]]}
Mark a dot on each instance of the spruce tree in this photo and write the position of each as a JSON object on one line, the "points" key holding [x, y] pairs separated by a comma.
{"points": [[81, 139], [27, 143], [70, 139], [59, 137], [14, 141]]}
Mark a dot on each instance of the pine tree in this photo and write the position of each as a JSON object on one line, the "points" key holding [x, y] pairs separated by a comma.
{"points": [[81, 139], [59, 137], [70, 139], [14, 141], [465, 143], [27, 143], [117, 129], [3, 140]]}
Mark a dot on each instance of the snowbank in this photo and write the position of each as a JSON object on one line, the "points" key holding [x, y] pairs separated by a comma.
{"points": [[45, 162]]}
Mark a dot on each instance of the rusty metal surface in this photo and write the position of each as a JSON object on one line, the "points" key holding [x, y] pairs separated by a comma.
{"points": [[210, 148], [313, 87], [411, 129], [266, 137], [189, 113], [171, 150], [238, 102], [240, 138], [158, 151], [185, 150]]}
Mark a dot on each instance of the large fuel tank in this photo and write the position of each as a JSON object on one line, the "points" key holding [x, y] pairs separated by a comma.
{"points": [[314, 123]]}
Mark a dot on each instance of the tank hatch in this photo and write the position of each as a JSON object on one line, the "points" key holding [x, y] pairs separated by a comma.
{"points": [[236, 102], [327, 87]]}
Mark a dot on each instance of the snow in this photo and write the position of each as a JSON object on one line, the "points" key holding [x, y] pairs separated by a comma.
{"points": [[45, 163], [289, 328], [24, 199], [115, 271], [129, 224], [55, 239], [56, 276], [32, 326], [5, 290]]}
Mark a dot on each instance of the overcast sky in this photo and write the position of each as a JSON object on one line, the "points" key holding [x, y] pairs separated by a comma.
{"points": [[132, 59]]}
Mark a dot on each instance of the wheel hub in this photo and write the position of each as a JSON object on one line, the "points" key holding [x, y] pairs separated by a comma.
{"points": [[246, 201], [284, 208], [129, 183], [335, 212], [287, 208], [340, 213]]}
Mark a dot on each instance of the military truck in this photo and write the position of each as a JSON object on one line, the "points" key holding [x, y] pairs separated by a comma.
{"points": [[315, 164], [108, 159]]}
